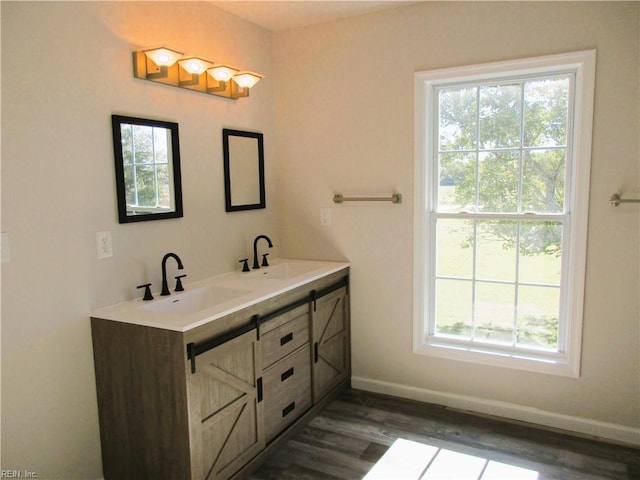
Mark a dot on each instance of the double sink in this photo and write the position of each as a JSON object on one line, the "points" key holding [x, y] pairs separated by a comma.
{"points": [[201, 298], [215, 297]]}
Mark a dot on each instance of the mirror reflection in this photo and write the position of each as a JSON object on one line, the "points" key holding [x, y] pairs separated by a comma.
{"points": [[244, 170], [147, 160]]}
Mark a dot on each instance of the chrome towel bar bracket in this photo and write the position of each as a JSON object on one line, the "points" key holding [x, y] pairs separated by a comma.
{"points": [[616, 200]]}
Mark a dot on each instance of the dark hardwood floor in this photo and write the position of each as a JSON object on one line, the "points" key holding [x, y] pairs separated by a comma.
{"points": [[348, 437]]}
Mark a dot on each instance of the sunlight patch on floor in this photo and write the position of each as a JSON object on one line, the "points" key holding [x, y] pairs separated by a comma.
{"points": [[408, 460]]}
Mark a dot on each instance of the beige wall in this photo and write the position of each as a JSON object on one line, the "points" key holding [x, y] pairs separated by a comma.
{"points": [[338, 98], [66, 67], [344, 123]]}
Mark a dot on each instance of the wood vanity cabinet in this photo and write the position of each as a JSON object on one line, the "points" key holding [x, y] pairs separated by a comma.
{"points": [[212, 402]]}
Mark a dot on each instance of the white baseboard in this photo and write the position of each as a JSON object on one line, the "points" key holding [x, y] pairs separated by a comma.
{"points": [[593, 428]]}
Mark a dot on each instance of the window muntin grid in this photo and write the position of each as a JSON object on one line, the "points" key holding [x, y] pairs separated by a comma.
{"points": [[512, 174]]}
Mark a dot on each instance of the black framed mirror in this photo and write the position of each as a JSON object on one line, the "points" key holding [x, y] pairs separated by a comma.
{"points": [[147, 161], [243, 170]]}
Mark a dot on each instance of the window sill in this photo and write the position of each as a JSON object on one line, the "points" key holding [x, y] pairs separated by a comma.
{"points": [[531, 361]]}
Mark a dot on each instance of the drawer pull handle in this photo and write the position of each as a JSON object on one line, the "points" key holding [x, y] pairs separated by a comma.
{"points": [[286, 374], [288, 409], [286, 339]]}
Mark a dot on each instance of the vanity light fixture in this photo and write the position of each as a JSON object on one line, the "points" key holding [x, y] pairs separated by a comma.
{"points": [[170, 67]]}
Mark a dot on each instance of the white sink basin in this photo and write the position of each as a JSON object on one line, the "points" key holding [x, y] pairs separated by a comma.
{"points": [[215, 297], [283, 271], [195, 300]]}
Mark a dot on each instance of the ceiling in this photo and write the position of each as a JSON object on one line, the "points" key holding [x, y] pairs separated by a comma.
{"points": [[284, 15]]}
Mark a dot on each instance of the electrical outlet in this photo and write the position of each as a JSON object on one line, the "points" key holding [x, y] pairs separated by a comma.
{"points": [[325, 217], [104, 245]]}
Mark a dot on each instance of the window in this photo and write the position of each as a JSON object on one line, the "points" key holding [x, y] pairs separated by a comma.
{"points": [[502, 175]]}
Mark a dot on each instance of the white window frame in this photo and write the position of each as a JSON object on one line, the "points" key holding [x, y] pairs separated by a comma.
{"points": [[567, 361]]}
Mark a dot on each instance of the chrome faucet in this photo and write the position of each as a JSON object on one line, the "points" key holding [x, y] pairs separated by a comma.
{"points": [[165, 287], [255, 251]]}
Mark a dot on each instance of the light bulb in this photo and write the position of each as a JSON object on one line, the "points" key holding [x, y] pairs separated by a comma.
{"points": [[195, 65], [244, 82], [222, 73], [163, 57], [247, 79]]}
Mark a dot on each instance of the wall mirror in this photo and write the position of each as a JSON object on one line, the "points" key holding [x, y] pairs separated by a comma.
{"points": [[243, 170], [147, 161]]}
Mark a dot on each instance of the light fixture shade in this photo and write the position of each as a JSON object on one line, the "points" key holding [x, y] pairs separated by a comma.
{"points": [[222, 73], [195, 65], [164, 57], [247, 79]]}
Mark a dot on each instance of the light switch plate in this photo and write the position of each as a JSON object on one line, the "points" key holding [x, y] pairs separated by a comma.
{"points": [[325, 217]]}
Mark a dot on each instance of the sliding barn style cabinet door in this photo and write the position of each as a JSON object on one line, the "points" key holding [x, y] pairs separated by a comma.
{"points": [[331, 358], [226, 410]]}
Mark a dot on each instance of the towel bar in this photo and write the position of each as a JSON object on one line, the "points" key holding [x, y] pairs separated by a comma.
{"points": [[395, 198]]}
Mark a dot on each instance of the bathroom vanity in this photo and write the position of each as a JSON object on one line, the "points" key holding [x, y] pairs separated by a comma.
{"points": [[203, 384]]}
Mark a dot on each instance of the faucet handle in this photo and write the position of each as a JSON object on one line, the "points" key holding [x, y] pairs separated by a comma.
{"points": [[147, 291], [179, 287], [245, 267], [265, 263]]}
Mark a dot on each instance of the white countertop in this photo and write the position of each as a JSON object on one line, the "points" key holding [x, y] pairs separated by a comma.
{"points": [[232, 291]]}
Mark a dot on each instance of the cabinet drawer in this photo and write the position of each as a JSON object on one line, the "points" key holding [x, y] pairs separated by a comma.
{"points": [[287, 391], [284, 339]]}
